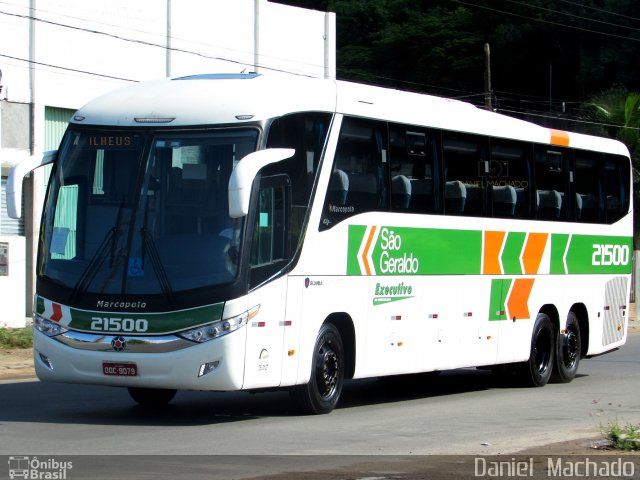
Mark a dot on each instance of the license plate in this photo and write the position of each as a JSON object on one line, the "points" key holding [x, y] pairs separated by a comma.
{"points": [[120, 369]]}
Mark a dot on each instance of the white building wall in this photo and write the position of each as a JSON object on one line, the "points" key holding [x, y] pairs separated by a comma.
{"points": [[63, 53], [12, 287]]}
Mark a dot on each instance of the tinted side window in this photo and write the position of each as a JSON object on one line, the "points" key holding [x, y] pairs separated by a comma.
{"points": [[616, 179], [359, 180], [414, 154], [588, 180], [510, 179], [466, 167], [306, 133], [553, 192]]}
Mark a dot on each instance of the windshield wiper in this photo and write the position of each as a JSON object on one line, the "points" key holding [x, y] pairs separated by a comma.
{"points": [[98, 258], [148, 243]]}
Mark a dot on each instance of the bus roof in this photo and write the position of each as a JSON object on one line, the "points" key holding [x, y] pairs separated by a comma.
{"points": [[208, 100], [240, 98]]}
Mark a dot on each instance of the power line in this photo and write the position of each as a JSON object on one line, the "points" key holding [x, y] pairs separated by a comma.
{"points": [[165, 47], [576, 120], [135, 30], [460, 94], [74, 70], [111, 35], [600, 10], [389, 80], [573, 15], [483, 7]]}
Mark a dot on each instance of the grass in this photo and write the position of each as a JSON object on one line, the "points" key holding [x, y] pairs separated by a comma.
{"points": [[623, 437], [16, 337]]}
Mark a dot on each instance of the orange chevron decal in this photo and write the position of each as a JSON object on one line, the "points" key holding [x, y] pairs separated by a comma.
{"points": [[517, 303], [533, 251], [365, 252], [492, 245]]}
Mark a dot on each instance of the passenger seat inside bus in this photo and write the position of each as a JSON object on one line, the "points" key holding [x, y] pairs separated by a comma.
{"points": [[586, 207], [400, 192], [338, 187], [504, 201], [363, 191], [549, 204], [455, 196], [613, 207]]}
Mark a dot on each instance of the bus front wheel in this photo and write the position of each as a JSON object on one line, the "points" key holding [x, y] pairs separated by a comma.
{"points": [[323, 391], [568, 348], [152, 397], [536, 371]]}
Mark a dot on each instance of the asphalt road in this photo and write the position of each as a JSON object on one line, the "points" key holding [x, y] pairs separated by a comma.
{"points": [[465, 412]]}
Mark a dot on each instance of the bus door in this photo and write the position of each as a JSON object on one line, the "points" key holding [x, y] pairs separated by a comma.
{"points": [[269, 254]]}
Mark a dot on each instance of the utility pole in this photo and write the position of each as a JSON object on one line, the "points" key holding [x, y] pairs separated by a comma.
{"points": [[550, 86], [256, 35], [488, 104], [168, 41]]}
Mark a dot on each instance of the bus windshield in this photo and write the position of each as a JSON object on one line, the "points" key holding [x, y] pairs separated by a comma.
{"points": [[143, 212]]}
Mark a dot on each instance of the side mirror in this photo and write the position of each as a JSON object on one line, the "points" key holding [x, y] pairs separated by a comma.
{"points": [[245, 172], [17, 174]]}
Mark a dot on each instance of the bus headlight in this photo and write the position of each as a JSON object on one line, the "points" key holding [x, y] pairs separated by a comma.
{"points": [[220, 328], [49, 328]]}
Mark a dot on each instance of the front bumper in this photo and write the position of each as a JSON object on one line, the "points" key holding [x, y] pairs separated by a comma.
{"points": [[161, 362]]}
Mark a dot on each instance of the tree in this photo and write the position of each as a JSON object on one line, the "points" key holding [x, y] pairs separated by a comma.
{"points": [[546, 54], [615, 113]]}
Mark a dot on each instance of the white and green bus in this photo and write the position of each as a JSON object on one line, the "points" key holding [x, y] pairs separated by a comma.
{"points": [[246, 231]]}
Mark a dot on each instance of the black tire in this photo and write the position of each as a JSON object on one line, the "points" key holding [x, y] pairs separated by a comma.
{"points": [[323, 391], [536, 371], [568, 348], [152, 397]]}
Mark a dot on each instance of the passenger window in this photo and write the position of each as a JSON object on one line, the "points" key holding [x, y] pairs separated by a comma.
{"points": [[588, 186], [553, 198], [270, 245], [466, 167], [306, 133], [359, 180], [414, 166], [509, 179], [616, 178]]}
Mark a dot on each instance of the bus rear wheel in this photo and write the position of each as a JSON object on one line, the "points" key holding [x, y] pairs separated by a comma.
{"points": [[536, 371], [323, 391], [152, 397], [568, 348]]}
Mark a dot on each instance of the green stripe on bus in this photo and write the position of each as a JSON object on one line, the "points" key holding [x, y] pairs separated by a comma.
{"points": [[558, 247], [499, 290], [599, 254], [166, 322], [414, 251], [384, 250]]}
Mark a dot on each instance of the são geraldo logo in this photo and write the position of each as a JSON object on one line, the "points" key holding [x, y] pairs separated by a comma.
{"points": [[382, 253]]}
